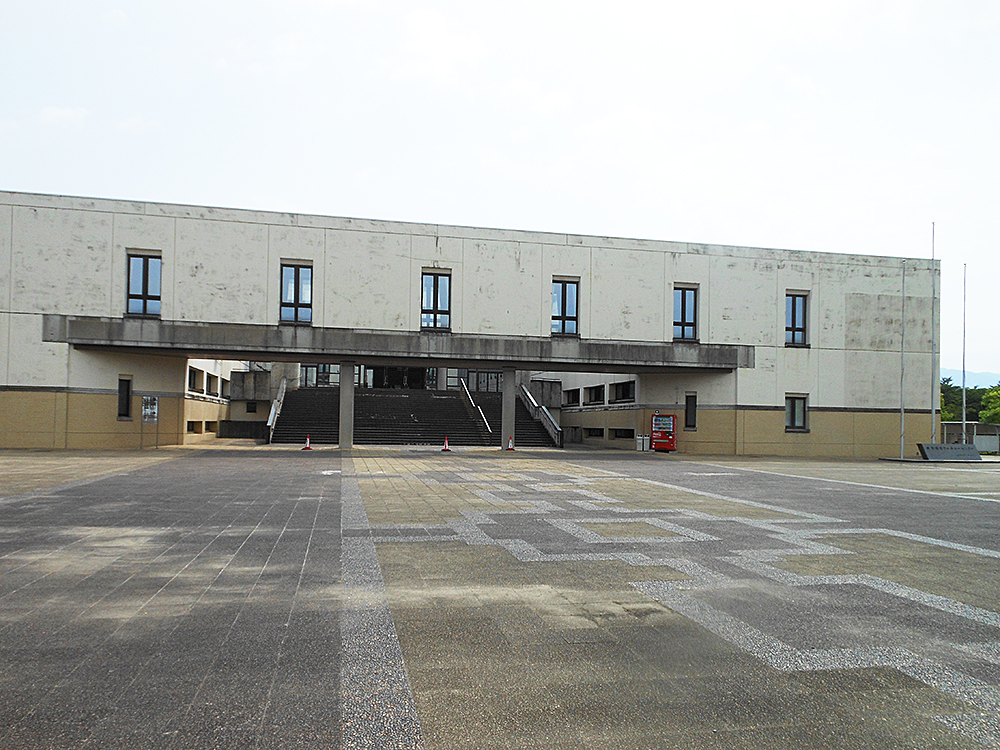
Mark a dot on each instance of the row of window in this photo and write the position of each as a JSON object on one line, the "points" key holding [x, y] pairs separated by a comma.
{"points": [[796, 406], [145, 273]]}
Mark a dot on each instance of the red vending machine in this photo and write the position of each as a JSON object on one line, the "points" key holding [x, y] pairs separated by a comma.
{"points": [[662, 435]]}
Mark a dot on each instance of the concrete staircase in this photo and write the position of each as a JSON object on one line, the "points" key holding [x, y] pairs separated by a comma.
{"points": [[401, 417]]}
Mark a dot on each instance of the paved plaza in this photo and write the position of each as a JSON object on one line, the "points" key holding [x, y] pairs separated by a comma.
{"points": [[245, 597]]}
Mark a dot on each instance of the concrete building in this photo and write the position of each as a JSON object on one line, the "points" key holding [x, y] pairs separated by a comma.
{"points": [[758, 351]]}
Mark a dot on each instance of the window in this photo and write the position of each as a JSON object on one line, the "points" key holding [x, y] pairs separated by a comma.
{"points": [[196, 380], [565, 307], [144, 284], [691, 411], [618, 432], [571, 397], [124, 398], [595, 432], [212, 385], [594, 394], [622, 392], [795, 319], [685, 313], [796, 414], [435, 300], [251, 407], [296, 294]]}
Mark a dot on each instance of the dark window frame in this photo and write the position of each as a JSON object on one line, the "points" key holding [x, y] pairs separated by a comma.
{"points": [[124, 398], [595, 432], [565, 321], [691, 412], [571, 397], [251, 407], [436, 316], [796, 319], [685, 313], [149, 304], [622, 433], [616, 397], [796, 419], [296, 310], [588, 400]]}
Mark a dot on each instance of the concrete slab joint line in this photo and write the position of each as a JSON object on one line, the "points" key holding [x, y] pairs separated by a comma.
{"points": [[377, 703]]}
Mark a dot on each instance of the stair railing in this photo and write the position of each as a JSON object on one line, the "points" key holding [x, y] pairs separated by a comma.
{"points": [[541, 414], [272, 418], [468, 398]]}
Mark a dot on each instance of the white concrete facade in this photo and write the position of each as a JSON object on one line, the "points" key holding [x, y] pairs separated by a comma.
{"points": [[68, 256]]}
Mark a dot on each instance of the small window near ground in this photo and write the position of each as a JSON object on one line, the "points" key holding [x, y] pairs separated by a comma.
{"points": [[691, 411], [571, 397], [124, 398], [622, 392], [796, 414], [251, 407], [619, 433], [594, 394], [595, 432], [795, 319]]}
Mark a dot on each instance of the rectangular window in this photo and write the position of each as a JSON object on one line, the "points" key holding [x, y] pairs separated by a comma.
{"points": [[595, 432], [796, 414], [251, 407], [565, 307], [622, 392], [435, 300], [296, 294], [795, 319], [619, 433], [124, 398], [594, 394], [691, 411], [685, 313], [144, 285], [571, 397], [212, 385]]}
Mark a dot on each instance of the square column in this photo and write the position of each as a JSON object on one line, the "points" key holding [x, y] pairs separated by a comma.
{"points": [[442, 378], [509, 407], [346, 404]]}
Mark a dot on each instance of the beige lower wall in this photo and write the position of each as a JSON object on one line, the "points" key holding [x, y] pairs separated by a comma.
{"points": [[206, 415], [57, 419], [761, 432]]}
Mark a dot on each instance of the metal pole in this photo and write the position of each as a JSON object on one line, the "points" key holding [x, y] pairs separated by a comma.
{"points": [[964, 270], [935, 386], [902, 368]]}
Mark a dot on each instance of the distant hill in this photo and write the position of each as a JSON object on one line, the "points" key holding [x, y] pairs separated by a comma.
{"points": [[972, 379]]}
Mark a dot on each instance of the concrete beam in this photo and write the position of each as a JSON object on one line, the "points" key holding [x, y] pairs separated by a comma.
{"points": [[406, 348]]}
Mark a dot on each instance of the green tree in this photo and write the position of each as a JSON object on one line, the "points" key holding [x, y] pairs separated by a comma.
{"points": [[991, 405], [951, 402]]}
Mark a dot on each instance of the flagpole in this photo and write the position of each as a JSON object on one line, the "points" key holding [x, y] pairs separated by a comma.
{"points": [[935, 385], [964, 286], [902, 368]]}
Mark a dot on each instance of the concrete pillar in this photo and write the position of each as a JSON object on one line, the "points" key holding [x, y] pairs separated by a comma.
{"points": [[346, 404], [509, 403], [442, 378]]}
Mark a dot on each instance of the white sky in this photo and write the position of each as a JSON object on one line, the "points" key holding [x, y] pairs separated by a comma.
{"points": [[844, 126]]}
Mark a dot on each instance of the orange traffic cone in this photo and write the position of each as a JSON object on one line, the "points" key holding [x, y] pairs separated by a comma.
{"points": [[510, 443], [307, 446], [446, 448]]}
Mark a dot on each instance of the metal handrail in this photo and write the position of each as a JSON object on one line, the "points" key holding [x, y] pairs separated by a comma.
{"points": [[272, 418], [468, 397], [541, 414]]}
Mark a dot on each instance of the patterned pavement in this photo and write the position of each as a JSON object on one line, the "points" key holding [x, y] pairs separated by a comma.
{"points": [[408, 598]]}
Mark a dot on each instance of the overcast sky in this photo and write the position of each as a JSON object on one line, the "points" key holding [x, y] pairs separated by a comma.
{"points": [[843, 127]]}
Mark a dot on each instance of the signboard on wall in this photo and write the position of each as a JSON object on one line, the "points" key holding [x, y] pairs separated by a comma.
{"points": [[150, 409]]}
